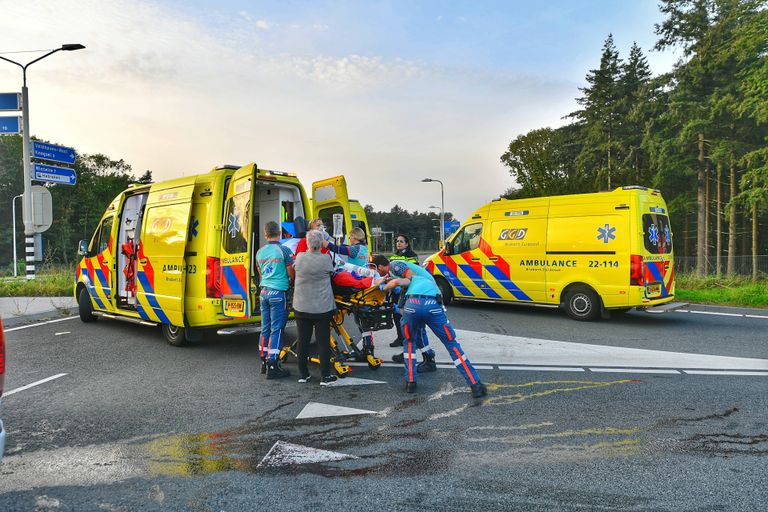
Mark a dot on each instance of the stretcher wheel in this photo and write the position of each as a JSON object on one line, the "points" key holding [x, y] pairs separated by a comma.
{"points": [[341, 369], [374, 363]]}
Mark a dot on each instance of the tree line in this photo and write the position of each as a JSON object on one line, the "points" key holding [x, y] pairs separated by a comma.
{"points": [[423, 228], [698, 133]]}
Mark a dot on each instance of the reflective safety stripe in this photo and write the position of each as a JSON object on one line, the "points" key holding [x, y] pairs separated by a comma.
{"points": [[463, 363], [447, 332]]}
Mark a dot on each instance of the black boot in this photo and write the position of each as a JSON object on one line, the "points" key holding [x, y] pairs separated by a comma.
{"points": [[427, 365], [263, 366], [410, 387], [398, 358], [478, 390], [397, 343], [275, 372]]}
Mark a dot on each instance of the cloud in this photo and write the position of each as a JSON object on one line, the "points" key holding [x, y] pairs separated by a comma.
{"points": [[166, 91]]}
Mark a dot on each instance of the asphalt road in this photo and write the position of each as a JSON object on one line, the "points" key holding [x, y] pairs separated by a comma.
{"points": [[136, 424]]}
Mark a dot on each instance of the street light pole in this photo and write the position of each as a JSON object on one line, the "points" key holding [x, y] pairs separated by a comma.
{"points": [[442, 209], [29, 229]]}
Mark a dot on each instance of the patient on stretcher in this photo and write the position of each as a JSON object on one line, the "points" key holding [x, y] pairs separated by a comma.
{"points": [[349, 279]]}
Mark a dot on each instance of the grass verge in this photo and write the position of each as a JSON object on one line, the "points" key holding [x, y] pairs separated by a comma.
{"points": [[47, 283], [727, 291]]}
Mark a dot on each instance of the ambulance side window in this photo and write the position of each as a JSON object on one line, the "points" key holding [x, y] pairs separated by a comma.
{"points": [[468, 238], [101, 238], [106, 231]]}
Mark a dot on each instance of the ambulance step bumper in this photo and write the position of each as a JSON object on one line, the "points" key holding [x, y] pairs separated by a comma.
{"points": [[124, 319], [239, 330], [666, 308]]}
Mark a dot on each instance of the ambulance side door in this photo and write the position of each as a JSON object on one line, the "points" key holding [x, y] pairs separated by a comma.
{"points": [[516, 251], [99, 265], [161, 271], [237, 245], [329, 198], [461, 262]]}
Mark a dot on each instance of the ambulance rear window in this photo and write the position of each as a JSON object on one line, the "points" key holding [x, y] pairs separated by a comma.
{"points": [[236, 223], [657, 235]]}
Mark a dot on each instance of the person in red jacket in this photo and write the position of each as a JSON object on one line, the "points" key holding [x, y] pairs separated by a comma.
{"points": [[315, 224]]}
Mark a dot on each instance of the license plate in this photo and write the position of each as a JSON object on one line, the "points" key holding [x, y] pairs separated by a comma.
{"points": [[653, 289], [234, 307]]}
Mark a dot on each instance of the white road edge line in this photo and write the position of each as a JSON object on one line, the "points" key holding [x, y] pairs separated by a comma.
{"points": [[633, 370], [716, 313], [22, 388], [542, 368], [41, 323], [721, 372]]}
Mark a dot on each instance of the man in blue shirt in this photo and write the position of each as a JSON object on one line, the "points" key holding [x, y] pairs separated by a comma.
{"points": [[422, 307], [276, 270]]}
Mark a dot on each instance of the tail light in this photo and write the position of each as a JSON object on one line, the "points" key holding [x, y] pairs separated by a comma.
{"points": [[212, 277], [2, 359], [636, 270]]}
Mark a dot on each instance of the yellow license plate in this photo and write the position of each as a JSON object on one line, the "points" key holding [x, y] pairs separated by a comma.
{"points": [[234, 307], [653, 289]]}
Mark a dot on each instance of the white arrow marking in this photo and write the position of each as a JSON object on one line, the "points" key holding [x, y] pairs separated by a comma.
{"points": [[283, 454], [354, 381], [320, 410]]}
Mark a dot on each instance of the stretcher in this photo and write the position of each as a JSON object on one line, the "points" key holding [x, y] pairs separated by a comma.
{"points": [[372, 311]]}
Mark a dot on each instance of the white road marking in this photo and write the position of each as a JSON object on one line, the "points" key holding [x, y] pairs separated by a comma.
{"points": [[22, 388], [543, 368], [320, 410], [756, 316], [40, 323], [499, 349], [724, 372], [62, 333], [283, 454], [633, 370], [354, 381], [715, 313]]}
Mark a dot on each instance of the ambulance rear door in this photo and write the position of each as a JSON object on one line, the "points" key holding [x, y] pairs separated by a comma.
{"points": [[329, 199], [237, 245], [161, 270]]}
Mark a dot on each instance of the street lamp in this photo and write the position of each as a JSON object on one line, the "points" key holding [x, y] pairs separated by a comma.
{"points": [[442, 209], [27, 201]]}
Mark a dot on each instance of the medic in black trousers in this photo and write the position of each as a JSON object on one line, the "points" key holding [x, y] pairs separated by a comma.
{"points": [[422, 307]]}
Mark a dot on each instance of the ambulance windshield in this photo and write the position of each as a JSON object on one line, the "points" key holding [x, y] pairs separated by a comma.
{"points": [[657, 235]]}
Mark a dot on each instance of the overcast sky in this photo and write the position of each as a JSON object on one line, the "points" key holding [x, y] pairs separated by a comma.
{"points": [[385, 93]]}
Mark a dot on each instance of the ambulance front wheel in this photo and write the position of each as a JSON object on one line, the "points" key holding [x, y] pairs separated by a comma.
{"points": [[583, 304], [174, 335], [84, 306], [445, 290]]}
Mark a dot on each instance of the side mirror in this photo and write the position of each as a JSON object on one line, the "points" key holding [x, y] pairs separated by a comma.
{"points": [[82, 248]]}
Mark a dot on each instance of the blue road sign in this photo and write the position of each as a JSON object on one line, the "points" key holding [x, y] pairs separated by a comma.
{"points": [[53, 174], [52, 152], [451, 226], [10, 125], [10, 101]]}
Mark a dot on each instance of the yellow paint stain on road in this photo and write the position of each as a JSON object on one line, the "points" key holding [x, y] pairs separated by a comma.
{"points": [[524, 439], [565, 386]]}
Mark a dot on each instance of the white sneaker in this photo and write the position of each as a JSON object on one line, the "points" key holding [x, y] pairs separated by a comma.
{"points": [[329, 380], [305, 379]]}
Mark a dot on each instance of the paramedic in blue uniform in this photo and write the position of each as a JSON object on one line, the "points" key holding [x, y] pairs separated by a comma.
{"points": [[276, 271], [420, 337], [356, 252], [422, 307]]}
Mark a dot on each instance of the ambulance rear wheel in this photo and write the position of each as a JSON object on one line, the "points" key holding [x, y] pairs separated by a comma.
{"points": [[84, 306], [174, 335], [582, 304], [445, 290]]}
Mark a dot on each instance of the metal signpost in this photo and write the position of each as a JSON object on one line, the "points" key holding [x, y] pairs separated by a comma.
{"points": [[29, 229]]}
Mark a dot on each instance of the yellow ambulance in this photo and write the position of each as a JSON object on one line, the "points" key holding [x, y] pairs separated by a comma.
{"points": [[180, 253], [587, 253]]}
